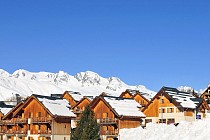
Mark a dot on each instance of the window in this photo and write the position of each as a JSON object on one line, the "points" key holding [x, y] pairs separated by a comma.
{"points": [[161, 101], [39, 114], [170, 100], [29, 115], [171, 121], [162, 120], [170, 110], [148, 121], [162, 110]]}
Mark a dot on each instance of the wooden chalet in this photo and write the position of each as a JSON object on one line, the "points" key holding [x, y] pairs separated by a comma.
{"points": [[170, 105], [136, 95], [115, 113], [4, 109], [38, 118], [80, 106], [72, 97], [206, 94]]}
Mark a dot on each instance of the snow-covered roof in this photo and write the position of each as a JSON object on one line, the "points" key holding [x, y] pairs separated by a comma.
{"points": [[58, 106], [146, 95], [124, 107], [186, 100], [76, 95], [5, 110]]}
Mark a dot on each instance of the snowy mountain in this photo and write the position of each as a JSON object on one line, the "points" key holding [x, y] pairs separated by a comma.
{"points": [[25, 83]]}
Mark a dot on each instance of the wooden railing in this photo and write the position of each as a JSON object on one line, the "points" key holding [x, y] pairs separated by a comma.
{"points": [[8, 122], [77, 111], [21, 131], [10, 132], [107, 121], [44, 132], [21, 120], [107, 132], [2, 131], [41, 120]]}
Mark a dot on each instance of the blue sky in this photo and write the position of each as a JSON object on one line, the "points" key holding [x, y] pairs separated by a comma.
{"points": [[149, 42]]}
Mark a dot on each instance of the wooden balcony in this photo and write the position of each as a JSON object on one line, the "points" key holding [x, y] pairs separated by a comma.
{"points": [[21, 120], [22, 132], [2, 132], [10, 132], [77, 111], [109, 133], [107, 121], [41, 132], [44, 132], [41, 120], [8, 122]]}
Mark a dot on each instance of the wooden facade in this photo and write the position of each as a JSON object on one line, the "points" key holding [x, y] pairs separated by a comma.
{"points": [[163, 108], [79, 107], [32, 120], [136, 95], [110, 121], [68, 95], [206, 94]]}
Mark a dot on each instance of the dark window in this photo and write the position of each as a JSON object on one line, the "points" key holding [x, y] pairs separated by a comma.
{"points": [[148, 121], [162, 120], [29, 115], [39, 114], [171, 121]]}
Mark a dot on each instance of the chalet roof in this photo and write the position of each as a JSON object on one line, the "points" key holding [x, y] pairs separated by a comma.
{"points": [[90, 98], [56, 106], [4, 108], [185, 99], [76, 95], [124, 106], [206, 89], [145, 95]]}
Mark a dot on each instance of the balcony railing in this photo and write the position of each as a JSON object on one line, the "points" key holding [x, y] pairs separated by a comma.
{"points": [[107, 121], [21, 120], [77, 111], [8, 122], [107, 132], [41, 120], [44, 132], [21, 131], [10, 132], [2, 131]]}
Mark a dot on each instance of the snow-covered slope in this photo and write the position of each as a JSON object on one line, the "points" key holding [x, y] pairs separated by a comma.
{"points": [[197, 130], [25, 83]]}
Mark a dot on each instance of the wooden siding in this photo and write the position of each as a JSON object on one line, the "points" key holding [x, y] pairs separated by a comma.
{"points": [[138, 98], [101, 110], [153, 109], [126, 95], [70, 99], [81, 106], [129, 123], [35, 110], [61, 128]]}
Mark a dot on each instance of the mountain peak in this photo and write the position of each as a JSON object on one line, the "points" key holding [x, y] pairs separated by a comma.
{"points": [[46, 83]]}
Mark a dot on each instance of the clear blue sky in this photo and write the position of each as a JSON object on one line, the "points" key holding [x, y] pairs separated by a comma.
{"points": [[151, 42]]}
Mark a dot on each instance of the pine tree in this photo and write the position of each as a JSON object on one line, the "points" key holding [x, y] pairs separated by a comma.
{"points": [[87, 128]]}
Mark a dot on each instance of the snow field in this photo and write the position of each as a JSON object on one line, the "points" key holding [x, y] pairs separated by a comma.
{"points": [[198, 130]]}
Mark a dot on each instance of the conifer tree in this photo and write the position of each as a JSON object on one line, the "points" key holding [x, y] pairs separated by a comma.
{"points": [[87, 128]]}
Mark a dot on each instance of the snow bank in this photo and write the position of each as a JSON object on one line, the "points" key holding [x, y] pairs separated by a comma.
{"points": [[198, 130]]}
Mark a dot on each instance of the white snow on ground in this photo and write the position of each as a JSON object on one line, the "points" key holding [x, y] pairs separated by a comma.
{"points": [[198, 130]]}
